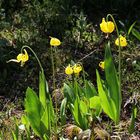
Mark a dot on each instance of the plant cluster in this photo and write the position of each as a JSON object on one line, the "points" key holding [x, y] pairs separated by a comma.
{"points": [[81, 99]]}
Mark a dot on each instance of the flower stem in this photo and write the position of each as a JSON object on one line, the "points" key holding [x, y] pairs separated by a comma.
{"points": [[34, 55], [118, 34], [119, 56], [54, 86], [53, 69]]}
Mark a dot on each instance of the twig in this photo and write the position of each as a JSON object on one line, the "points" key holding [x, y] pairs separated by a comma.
{"points": [[87, 55]]}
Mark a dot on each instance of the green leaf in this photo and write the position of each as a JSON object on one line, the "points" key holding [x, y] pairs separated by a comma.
{"points": [[90, 90], [131, 27], [14, 136], [68, 93], [46, 137], [46, 116], [79, 91], [46, 120], [42, 88], [104, 99], [25, 121], [16, 133], [95, 104], [79, 117], [83, 107], [63, 111], [136, 33], [112, 82], [76, 111], [94, 101], [34, 110], [133, 117]]}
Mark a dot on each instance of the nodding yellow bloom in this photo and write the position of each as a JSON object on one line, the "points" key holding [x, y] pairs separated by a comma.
{"points": [[69, 70], [107, 27], [77, 68], [54, 41], [123, 41], [102, 65], [22, 57]]}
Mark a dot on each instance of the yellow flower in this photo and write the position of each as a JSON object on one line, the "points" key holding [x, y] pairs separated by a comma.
{"points": [[69, 70], [77, 68], [107, 27], [54, 42], [22, 57], [123, 41], [102, 65]]}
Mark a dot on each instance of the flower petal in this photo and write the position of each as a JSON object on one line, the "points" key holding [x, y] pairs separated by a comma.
{"points": [[107, 27], [54, 42], [69, 70], [25, 56], [121, 41], [13, 60]]}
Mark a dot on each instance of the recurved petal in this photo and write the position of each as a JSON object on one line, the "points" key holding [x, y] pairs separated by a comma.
{"points": [[103, 26], [13, 60], [25, 56]]}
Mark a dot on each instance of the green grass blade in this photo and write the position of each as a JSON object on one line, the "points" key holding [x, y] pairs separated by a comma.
{"points": [[131, 27], [16, 133], [14, 136], [133, 117], [136, 33]]}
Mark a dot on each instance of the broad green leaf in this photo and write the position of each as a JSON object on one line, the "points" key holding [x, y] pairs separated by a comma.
{"points": [[76, 110], [34, 110], [46, 120], [94, 101], [45, 124], [104, 99], [80, 91], [90, 90], [79, 117], [42, 88], [68, 93], [63, 111], [83, 107], [51, 110], [95, 104], [76, 89], [112, 81]]}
